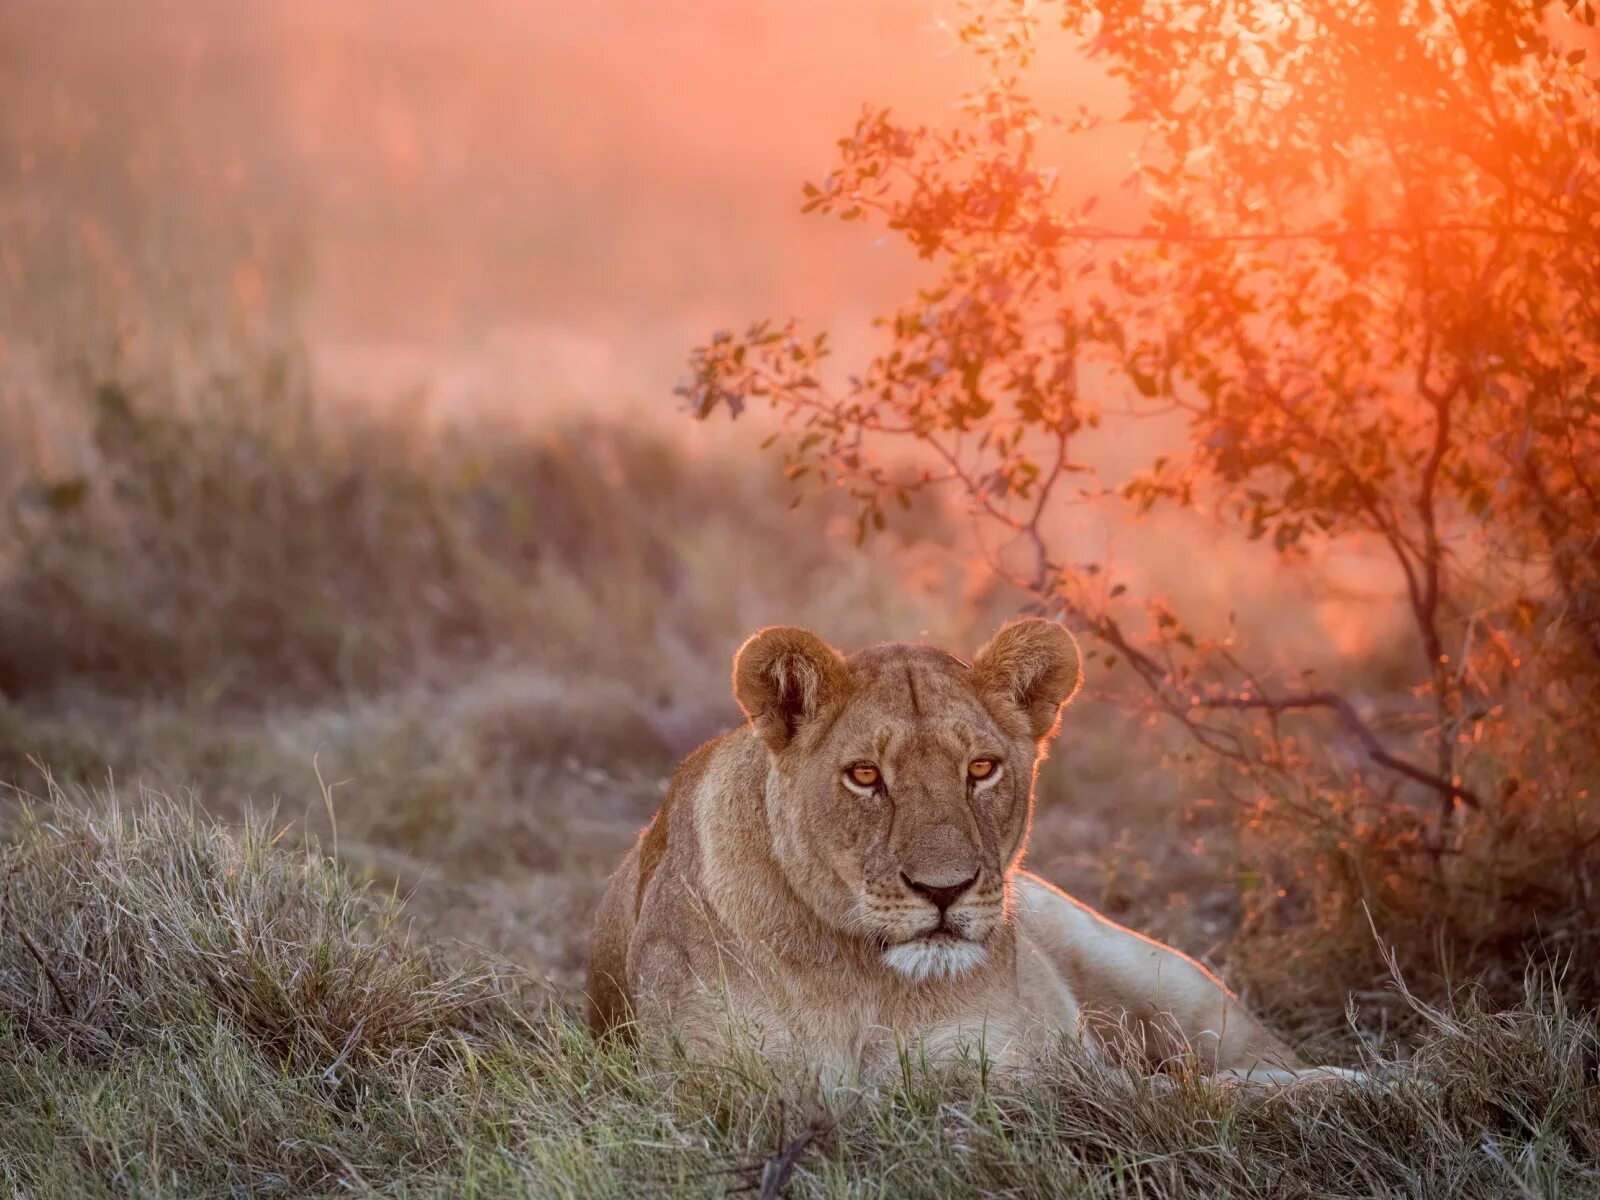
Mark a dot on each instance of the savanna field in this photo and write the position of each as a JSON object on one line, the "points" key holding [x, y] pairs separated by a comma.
{"points": [[363, 579]]}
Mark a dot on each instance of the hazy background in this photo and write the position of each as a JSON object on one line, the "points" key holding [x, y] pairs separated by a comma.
{"points": [[472, 197], [337, 343]]}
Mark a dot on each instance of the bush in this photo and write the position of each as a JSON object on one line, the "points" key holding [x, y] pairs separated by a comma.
{"points": [[244, 542]]}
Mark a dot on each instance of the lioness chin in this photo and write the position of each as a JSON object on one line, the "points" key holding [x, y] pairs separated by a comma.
{"points": [[840, 874]]}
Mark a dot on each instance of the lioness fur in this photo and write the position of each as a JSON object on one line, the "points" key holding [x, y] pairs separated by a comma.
{"points": [[840, 875]]}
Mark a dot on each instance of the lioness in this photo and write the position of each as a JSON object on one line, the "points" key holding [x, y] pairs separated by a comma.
{"points": [[841, 872]]}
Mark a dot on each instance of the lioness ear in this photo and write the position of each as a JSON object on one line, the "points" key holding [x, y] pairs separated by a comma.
{"points": [[1031, 664], [782, 677]]}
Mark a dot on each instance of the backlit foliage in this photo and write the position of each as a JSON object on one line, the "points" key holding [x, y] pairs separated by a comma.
{"points": [[1365, 278]]}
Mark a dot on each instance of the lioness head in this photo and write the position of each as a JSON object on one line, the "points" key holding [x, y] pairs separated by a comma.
{"points": [[902, 780]]}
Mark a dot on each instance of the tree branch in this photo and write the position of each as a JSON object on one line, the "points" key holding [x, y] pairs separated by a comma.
{"points": [[1352, 721], [1383, 232]]}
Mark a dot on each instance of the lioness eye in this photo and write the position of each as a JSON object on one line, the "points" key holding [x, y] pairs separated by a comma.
{"points": [[981, 768], [864, 774]]}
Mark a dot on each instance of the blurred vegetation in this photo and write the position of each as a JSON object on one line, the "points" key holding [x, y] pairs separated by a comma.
{"points": [[490, 639], [241, 543]]}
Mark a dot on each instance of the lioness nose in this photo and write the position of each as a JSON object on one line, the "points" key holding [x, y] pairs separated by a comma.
{"points": [[942, 897]]}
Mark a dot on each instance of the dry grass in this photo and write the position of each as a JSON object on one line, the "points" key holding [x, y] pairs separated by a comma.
{"points": [[190, 1011]]}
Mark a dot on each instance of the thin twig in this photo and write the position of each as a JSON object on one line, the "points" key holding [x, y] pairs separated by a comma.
{"points": [[1084, 233], [776, 1170], [49, 973]]}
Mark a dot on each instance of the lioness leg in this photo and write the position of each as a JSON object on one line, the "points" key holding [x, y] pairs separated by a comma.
{"points": [[1285, 1075], [1166, 1001]]}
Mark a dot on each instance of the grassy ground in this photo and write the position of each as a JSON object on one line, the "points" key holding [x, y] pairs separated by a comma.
{"points": [[192, 1011], [264, 670]]}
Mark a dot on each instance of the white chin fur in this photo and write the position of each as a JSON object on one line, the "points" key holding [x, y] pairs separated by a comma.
{"points": [[941, 958]]}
